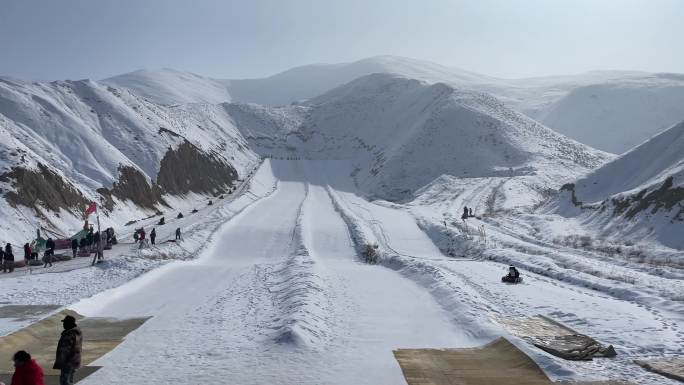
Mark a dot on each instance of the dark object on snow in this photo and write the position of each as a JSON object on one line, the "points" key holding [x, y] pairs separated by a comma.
{"points": [[470, 212], [221, 197], [153, 235], [513, 276], [371, 253], [178, 234], [161, 221], [465, 213], [179, 216], [210, 203], [194, 211]]}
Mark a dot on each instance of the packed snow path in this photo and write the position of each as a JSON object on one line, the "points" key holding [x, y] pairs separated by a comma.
{"points": [[278, 298]]}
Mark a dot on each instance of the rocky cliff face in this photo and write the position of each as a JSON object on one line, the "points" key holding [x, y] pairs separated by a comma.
{"points": [[42, 188], [187, 169]]}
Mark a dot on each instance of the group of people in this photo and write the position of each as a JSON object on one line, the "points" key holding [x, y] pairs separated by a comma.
{"points": [[467, 213], [67, 358], [139, 235]]}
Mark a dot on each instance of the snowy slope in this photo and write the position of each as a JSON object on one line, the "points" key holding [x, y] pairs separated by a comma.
{"points": [[84, 135], [305, 82], [169, 86], [615, 116], [609, 110], [640, 194], [404, 133]]}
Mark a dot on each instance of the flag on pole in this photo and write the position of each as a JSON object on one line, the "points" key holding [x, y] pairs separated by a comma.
{"points": [[91, 209]]}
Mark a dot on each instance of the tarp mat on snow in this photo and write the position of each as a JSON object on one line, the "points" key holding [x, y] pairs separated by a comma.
{"points": [[669, 367], [100, 335], [557, 339], [26, 312], [498, 362]]}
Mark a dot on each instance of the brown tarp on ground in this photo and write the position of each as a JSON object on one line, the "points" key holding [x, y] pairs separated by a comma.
{"points": [[100, 335], [498, 362], [26, 312], [557, 339], [669, 367]]}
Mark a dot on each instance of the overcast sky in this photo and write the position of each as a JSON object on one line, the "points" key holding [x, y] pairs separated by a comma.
{"points": [[72, 39]]}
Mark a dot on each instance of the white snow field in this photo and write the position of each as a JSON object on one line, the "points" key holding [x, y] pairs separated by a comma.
{"points": [[270, 283], [281, 293]]}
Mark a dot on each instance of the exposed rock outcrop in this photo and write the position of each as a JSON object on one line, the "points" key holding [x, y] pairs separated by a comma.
{"points": [[42, 187], [133, 186], [187, 168]]}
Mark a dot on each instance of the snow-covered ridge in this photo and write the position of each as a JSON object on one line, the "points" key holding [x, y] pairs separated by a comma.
{"points": [[640, 194], [111, 146], [404, 133], [169, 86]]}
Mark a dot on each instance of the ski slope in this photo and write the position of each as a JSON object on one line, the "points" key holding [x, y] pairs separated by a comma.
{"points": [[281, 295]]}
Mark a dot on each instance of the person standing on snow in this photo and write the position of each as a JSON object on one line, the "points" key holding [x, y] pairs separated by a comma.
{"points": [[26, 370], [465, 213], [74, 247], [27, 253], [8, 265], [49, 252], [153, 235], [178, 234], [68, 356]]}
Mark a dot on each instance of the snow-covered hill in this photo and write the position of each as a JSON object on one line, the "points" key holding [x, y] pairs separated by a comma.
{"points": [[403, 133], [308, 81], [639, 195], [617, 115], [169, 86], [67, 143], [609, 110]]}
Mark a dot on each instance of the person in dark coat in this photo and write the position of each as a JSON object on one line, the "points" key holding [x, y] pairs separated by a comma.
{"points": [[74, 246], [8, 259], [465, 213], [26, 370], [68, 356], [470, 212], [178, 234], [49, 252], [27, 252], [153, 235]]}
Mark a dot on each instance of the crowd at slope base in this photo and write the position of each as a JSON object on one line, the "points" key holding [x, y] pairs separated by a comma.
{"points": [[83, 244]]}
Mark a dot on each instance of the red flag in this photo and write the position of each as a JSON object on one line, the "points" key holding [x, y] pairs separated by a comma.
{"points": [[91, 209]]}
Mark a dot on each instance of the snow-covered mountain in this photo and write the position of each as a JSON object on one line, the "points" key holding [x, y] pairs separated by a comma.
{"points": [[308, 81], [169, 86], [67, 143], [640, 194], [590, 108], [403, 133], [617, 115]]}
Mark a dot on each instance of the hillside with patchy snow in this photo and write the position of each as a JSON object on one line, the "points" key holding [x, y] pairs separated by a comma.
{"points": [[639, 195], [67, 143]]}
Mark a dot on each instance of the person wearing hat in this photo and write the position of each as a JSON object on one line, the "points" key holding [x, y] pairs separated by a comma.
{"points": [[68, 351]]}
